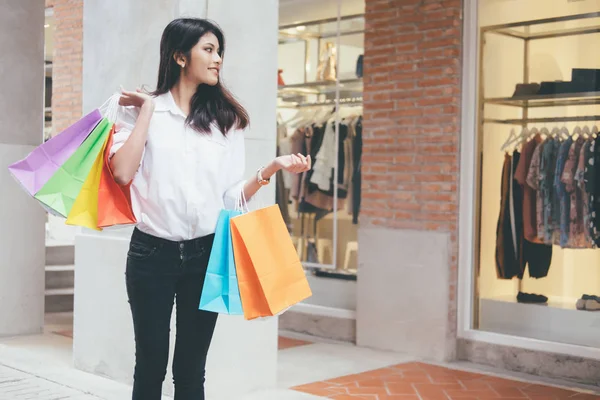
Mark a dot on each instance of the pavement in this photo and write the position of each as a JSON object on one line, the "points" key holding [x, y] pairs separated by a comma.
{"points": [[40, 368]]}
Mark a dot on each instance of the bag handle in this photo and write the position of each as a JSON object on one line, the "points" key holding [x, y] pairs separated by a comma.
{"points": [[242, 204], [110, 108]]}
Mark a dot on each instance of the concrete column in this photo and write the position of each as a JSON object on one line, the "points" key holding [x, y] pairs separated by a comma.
{"points": [[22, 247], [123, 48]]}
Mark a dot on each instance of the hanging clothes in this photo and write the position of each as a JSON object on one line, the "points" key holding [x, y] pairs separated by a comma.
{"points": [[575, 234], [529, 192], [549, 196], [585, 196], [564, 198], [513, 252], [594, 184], [325, 159], [533, 180], [357, 174], [299, 145], [509, 249]]}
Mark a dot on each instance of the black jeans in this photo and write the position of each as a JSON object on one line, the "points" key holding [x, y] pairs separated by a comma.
{"points": [[158, 272]]}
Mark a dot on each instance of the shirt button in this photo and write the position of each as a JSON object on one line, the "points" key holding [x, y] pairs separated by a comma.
{"points": [[181, 246]]}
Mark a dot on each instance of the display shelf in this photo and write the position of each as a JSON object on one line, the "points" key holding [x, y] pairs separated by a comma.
{"points": [[558, 321], [339, 41], [554, 100], [354, 101], [524, 121], [325, 87], [548, 28], [527, 31], [322, 29]]}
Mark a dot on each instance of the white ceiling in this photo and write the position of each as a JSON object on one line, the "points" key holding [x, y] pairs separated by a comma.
{"points": [[293, 11]]}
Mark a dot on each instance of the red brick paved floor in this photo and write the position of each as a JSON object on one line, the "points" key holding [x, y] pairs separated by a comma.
{"points": [[68, 334], [417, 381], [287, 343]]}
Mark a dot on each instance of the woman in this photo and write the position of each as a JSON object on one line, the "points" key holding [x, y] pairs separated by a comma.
{"points": [[183, 152]]}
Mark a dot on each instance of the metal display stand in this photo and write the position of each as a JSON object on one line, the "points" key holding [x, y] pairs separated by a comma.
{"points": [[527, 32], [322, 93]]}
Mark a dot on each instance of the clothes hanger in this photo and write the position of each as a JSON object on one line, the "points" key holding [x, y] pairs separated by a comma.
{"points": [[594, 132], [564, 132], [586, 132], [525, 135], [511, 138], [300, 118], [534, 131], [576, 131]]}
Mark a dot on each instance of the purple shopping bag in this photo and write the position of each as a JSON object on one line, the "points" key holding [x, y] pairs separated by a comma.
{"points": [[37, 168]]}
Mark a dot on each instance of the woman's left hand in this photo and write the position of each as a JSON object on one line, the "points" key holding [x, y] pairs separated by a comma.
{"points": [[294, 163]]}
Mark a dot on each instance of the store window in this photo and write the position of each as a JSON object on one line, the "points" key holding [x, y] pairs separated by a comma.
{"points": [[321, 44], [538, 269]]}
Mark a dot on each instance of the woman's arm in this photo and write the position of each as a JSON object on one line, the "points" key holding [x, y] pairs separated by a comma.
{"points": [[125, 163], [235, 182], [294, 163]]}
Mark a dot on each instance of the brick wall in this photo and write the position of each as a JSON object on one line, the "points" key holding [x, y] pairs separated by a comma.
{"points": [[412, 70], [68, 63]]}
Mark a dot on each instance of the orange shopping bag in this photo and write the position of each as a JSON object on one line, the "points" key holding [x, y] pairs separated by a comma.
{"points": [[114, 200], [270, 275]]}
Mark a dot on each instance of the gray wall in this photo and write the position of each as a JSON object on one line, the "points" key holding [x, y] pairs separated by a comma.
{"points": [[22, 247]]}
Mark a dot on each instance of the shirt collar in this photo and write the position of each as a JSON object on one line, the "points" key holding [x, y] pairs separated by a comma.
{"points": [[166, 102]]}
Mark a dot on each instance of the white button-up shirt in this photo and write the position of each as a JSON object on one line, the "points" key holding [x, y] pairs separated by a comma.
{"points": [[185, 178]]}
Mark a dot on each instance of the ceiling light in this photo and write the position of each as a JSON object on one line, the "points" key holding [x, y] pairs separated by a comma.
{"points": [[47, 26], [301, 28]]}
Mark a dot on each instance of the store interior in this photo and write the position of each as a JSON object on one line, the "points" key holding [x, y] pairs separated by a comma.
{"points": [[539, 81], [49, 29], [320, 83]]}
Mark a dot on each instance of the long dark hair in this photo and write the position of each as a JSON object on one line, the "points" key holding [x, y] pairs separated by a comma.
{"points": [[210, 103]]}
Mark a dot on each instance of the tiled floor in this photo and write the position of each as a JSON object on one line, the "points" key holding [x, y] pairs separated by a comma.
{"points": [[313, 370], [17, 385], [417, 381], [283, 343]]}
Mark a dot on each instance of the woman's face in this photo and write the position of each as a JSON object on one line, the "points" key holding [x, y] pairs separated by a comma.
{"points": [[205, 62]]}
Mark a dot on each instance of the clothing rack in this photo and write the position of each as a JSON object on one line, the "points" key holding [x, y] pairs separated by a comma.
{"points": [[524, 122], [342, 102], [522, 31]]}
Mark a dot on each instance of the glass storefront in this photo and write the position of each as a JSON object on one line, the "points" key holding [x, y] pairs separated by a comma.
{"points": [[538, 263], [320, 113]]}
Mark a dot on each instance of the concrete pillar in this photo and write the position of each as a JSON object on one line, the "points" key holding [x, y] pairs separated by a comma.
{"points": [[123, 48], [22, 247]]}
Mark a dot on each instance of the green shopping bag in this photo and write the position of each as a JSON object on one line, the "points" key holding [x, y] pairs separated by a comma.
{"points": [[61, 190]]}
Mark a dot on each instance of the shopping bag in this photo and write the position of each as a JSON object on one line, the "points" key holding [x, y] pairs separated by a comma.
{"points": [[114, 200], [270, 275], [61, 190], [221, 293], [35, 170], [85, 209]]}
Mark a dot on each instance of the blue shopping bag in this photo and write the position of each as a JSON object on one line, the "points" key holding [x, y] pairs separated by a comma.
{"points": [[221, 292]]}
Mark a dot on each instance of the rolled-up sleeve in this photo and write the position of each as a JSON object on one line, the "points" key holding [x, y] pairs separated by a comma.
{"points": [[236, 166], [126, 118]]}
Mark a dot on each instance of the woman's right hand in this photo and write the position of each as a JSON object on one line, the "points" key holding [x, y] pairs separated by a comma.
{"points": [[136, 99]]}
